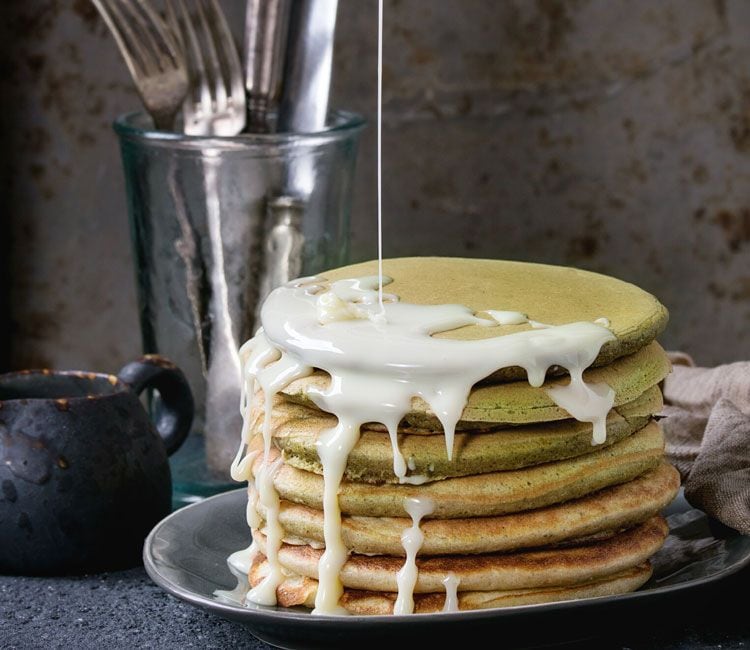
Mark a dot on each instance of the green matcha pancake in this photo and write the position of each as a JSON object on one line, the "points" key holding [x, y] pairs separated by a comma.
{"points": [[518, 402], [489, 572], [554, 295], [296, 428], [494, 493], [607, 510], [298, 590]]}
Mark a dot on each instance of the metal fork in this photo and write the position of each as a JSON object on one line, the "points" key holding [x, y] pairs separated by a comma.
{"points": [[216, 104], [152, 54]]}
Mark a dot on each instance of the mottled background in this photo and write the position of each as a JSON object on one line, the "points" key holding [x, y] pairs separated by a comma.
{"points": [[608, 134]]}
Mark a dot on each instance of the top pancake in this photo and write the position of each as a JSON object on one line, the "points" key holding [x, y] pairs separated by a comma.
{"points": [[554, 295]]}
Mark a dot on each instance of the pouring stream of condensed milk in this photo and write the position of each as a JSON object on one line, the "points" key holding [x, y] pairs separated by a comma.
{"points": [[380, 353]]}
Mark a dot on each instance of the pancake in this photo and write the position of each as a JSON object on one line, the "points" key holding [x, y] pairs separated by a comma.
{"points": [[548, 567], [296, 428], [607, 510], [297, 590], [554, 295], [518, 402], [494, 493]]}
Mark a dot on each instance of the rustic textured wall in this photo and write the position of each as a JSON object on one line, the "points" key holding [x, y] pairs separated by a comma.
{"points": [[608, 134]]}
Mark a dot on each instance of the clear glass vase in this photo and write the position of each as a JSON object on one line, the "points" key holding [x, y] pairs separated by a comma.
{"points": [[216, 223]]}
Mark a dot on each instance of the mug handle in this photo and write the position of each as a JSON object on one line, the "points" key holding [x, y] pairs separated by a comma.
{"points": [[174, 414]]}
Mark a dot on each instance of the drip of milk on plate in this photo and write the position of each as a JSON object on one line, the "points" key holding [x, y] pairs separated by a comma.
{"points": [[242, 560], [451, 582], [239, 564], [411, 539], [377, 366]]}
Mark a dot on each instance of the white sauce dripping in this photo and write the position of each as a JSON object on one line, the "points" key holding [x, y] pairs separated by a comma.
{"points": [[508, 317], [239, 564], [414, 479], [376, 367], [412, 539], [251, 513], [241, 561], [334, 446], [585, 402], [263, 367], [451, 582], [265, 592]]}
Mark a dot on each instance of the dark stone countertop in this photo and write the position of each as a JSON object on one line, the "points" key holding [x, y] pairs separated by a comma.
{"points": [[123, 609], [126, 610]]}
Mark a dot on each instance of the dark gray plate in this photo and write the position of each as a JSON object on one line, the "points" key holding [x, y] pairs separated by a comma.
{"points": [[186, 555]]}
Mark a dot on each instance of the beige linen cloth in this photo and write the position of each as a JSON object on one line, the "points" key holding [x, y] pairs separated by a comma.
{"points": [[707, 427]]}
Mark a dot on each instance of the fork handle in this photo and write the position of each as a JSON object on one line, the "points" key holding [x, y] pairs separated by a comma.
{"points": [[163, 120]]}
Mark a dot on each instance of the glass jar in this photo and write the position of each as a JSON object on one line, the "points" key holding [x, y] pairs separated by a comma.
{"points": [[216, 223]]}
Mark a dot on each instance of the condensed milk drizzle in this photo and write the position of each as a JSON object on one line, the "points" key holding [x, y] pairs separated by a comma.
{"points": [[451, 582], [376, 367], [268, 498], [412, 539], [239, 564]]}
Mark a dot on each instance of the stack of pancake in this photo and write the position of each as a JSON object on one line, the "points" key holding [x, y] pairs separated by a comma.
{"points": [[527, 510]]}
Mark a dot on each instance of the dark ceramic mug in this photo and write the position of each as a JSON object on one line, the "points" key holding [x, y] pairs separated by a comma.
{"points": [[84, 473]]}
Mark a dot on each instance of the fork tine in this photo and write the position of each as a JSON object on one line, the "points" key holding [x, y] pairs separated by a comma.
{"points": [[152, 52], [174, 26], [231, 55], [137, 44], [196, 64], [123, 35], [152, 56], [213, 67], [168, 37]]}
